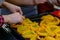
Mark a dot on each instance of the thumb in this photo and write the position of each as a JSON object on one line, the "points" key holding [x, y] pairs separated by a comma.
{"points": [[20, 11]]}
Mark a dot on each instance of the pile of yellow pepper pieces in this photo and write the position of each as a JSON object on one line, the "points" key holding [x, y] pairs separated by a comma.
{"points": [[49, 28]]}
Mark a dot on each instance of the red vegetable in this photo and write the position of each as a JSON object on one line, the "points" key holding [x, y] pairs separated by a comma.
{"points": [[56, 13]]}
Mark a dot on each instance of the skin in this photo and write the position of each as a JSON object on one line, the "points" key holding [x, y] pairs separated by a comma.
{"points": [[13, 18], [13, 8], [26, 2]]}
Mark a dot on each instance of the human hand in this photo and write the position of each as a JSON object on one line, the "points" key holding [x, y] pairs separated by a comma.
{"points": [[13, 8], [13, 18]]}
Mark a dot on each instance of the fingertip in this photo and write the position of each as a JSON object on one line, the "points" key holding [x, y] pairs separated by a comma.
{"points": [[21, 21], [22, 16]]}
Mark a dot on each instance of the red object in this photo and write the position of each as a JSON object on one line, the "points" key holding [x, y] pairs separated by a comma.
{"points": [[56, 13], [1, 20], [45, 7]]}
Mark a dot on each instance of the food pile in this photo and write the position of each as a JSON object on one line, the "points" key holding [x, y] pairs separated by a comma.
{"points": [[48, 29]]}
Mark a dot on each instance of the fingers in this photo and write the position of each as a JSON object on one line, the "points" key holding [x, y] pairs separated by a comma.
{"points": [[21, 20], [16, 17], [21, 17], [20, 11]]}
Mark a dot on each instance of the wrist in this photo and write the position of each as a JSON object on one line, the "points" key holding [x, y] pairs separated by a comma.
{"points": [[1, 20], [6, 18]]}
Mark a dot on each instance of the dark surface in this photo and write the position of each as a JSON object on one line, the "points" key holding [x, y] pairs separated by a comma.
{"points": [[6, 36], [13, 35]]}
